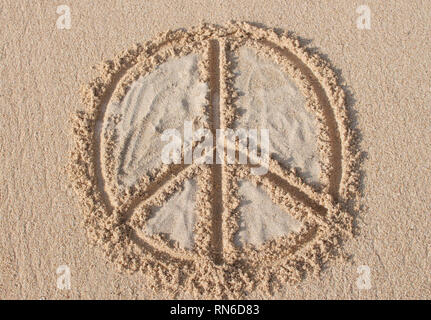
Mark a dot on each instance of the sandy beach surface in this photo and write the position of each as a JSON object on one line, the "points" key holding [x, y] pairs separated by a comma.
{"points": [[384, 70]]}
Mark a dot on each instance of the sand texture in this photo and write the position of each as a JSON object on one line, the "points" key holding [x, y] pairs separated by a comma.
{"points": [[269, 99], [82, 183], [176, 218], [261, 220], [121, 202], [161, 100]]}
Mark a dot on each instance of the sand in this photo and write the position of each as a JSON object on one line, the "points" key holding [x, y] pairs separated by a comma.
{"points": [[43, 68], [269, 99], [176, 218], [260, 219], [162, 100], [172, 94], [119, 190]]}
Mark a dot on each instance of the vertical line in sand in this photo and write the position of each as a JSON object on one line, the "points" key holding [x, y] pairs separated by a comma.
{"points": [[214, 56]]}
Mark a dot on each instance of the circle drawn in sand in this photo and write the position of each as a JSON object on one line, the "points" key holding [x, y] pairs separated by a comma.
{"points": [[216, 230]]}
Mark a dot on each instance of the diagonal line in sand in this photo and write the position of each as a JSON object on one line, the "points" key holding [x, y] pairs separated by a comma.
{"points": [[145, 193], [101, 118], [162, 185], [319, 211], [151, 248], [328, 113], [298, 196]]}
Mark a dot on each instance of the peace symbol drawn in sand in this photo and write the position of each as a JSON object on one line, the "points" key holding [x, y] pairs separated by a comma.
{"points": [[216, 229]]}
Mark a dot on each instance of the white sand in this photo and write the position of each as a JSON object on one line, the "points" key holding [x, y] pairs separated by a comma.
{"points": [[160, 100], [261, 219], [177, 217], [271, 100], [171, 94]]}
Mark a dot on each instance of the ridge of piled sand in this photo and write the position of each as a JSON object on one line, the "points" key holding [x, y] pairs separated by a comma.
{"points": [[216, 267]]}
